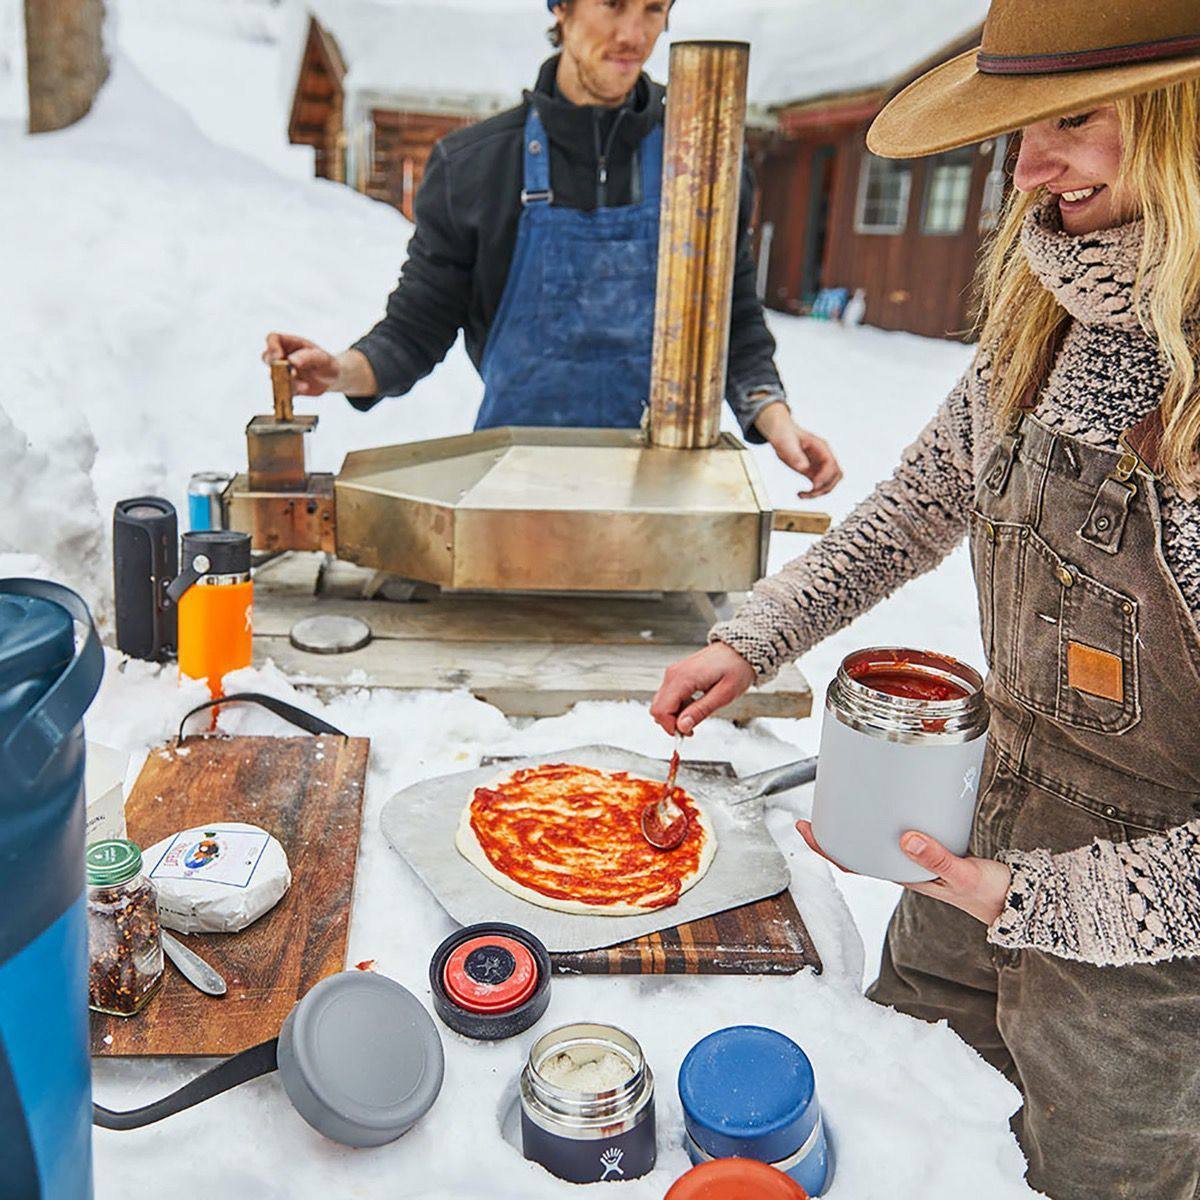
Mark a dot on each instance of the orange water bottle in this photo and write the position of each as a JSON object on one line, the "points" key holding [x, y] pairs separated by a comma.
{"points": [[215, 598]]}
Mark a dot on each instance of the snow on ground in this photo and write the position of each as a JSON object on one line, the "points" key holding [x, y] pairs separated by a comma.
{"points": [[129, 358]]}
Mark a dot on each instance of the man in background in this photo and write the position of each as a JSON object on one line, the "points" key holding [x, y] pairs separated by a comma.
{"points": [[537, 236]]}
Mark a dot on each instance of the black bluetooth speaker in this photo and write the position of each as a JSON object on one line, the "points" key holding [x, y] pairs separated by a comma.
{"points": [[145, 561]]}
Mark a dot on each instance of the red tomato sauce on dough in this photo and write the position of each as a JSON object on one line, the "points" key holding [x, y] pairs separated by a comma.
{"points": [[574, 833]]}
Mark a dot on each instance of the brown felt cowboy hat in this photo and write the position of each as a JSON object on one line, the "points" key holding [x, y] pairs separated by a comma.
{"points": [[1039, 59]]}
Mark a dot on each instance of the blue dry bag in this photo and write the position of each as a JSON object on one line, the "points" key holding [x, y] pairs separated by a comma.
{"points": [[45, 1073]]}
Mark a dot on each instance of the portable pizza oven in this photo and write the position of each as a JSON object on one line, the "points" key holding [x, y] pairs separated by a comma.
{"points": [[679, 506]]}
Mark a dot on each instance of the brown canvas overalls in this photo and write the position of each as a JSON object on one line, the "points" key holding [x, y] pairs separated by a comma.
{"points": [[1094, 688]]}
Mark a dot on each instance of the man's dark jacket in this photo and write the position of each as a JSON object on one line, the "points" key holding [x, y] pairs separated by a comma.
{"points": [[467, 210]]}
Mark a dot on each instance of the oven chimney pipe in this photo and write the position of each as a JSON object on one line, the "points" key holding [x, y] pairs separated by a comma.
{"points": [[702, 171]]}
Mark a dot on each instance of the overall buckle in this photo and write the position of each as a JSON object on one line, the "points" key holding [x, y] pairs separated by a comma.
{"points": [[1005, 455], [1106, 520]]}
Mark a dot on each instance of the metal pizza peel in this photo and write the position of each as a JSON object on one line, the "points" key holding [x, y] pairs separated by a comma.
{"points": [[420, 823]]}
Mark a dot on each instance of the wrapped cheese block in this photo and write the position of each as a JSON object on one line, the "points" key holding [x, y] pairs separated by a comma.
{"points": [[217, 878]]}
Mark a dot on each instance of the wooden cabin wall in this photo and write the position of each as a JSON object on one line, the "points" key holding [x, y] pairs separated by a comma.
{"points": [[784, 180], [403, 142], [316, 116], [913, 281]]}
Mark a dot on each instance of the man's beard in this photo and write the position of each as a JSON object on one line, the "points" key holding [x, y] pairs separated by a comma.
{"points": [[595, 85]]}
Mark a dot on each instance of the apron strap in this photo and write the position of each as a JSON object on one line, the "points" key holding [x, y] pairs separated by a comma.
{"points": [[651, 155], [537, 189]]}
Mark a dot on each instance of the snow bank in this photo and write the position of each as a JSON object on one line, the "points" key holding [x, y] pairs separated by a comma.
{"points": [[14, 101], [193, 56], [48, 509]]}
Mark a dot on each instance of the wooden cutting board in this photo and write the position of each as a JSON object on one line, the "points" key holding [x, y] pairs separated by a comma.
{"points": [[308, 792], [768, 937]]}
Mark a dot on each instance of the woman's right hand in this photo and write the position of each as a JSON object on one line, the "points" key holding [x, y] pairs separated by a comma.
{"points": [[314, 371], [718, 673]]}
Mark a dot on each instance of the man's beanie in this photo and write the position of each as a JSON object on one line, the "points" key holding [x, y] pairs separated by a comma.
{"points": [[550, 4]]}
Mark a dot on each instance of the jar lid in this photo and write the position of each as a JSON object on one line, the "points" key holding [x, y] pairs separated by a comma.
{"points": [[112, 862], [490, 981], [227, 551], [735, 1179], [748, 1091], [360, 1058], [490, 974]]}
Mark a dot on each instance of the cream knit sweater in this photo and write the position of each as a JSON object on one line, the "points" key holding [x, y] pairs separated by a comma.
{"points": [[1104, 903]]}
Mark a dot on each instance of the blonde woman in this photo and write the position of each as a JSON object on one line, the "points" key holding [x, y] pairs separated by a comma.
{"points": [[1066, 947]]}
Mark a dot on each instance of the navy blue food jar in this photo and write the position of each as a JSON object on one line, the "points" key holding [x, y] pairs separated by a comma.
{"points": [[749, 1092], [599, 1125]]}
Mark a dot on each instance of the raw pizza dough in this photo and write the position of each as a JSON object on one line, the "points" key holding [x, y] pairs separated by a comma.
{"points": [[589, 810]]}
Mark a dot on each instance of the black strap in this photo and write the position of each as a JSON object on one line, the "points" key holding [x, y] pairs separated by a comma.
{"points": [[250, 1064], [180, 584], [281, 708]]}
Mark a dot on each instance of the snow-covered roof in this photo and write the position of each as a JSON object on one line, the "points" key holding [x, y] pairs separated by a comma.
{"points": [[481, 53], [468, 54], [802, 49]]}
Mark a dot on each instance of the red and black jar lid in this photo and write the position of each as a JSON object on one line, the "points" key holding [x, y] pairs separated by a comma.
{"points": [[490, 981]]}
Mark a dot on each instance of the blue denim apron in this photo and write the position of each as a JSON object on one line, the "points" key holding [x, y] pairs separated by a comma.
{"points": [[572, 340]]}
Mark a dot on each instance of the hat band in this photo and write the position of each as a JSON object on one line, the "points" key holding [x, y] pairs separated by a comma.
{"points": [[1084, 60]]}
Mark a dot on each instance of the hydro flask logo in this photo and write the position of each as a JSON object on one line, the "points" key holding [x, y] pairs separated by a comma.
{"points": [[610, 1160], [969, 781]]}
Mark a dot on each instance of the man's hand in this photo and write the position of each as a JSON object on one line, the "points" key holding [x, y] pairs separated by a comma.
{"points": [[979, 886], [316, 371], [804, 452], [718, 672]]}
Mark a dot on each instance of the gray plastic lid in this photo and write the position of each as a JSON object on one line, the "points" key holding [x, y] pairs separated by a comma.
{"points": [[360, 1059], [330, 634]]}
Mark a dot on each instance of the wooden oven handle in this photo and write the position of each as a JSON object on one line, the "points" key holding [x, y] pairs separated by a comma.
{"points": [[281, 385], [800, 520]]}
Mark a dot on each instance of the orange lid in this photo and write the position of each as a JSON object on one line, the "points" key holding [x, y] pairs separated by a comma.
{"points": [[492, 974], [735, 1179]]}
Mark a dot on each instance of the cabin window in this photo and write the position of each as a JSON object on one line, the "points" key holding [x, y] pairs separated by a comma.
{"points": [[948, 192], [883, 188]]}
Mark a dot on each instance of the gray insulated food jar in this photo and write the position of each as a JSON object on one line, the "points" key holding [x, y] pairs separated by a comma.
{"points": [[587, 1105], [901, 748]]}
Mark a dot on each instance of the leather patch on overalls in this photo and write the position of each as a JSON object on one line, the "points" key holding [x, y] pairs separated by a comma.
{"points": [[1095, 672]]}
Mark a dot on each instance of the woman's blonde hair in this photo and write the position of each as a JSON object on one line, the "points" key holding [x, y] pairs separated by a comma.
{"points": [[1020, 320]]}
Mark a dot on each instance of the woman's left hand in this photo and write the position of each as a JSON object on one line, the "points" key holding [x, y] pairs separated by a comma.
{"points": [[978, 886]]}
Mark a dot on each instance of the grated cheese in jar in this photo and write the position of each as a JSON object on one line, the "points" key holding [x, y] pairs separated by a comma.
{"points": [[586, 1069]]}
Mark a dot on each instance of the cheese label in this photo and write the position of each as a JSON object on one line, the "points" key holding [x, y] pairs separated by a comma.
{"points": [[213, 855]]}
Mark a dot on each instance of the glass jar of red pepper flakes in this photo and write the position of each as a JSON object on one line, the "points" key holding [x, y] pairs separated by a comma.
{"points": [[124, 936]]}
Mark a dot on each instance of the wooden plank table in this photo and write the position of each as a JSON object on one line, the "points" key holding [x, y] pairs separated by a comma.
{"points": [[530, 655]]}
